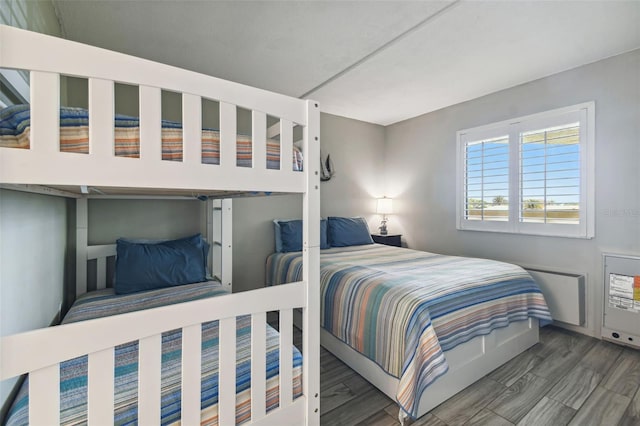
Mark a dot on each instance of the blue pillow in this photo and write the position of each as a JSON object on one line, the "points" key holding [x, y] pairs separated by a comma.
{"points": [[324, 237], [291, 236], [348, 231], [196, 240], [288, 235], [159, 264], [276, 232]]}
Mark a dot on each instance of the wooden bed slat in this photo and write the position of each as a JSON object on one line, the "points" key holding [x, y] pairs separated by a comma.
{"points": [[149, 379], [227, 238], [150, 124], [82, 235], [258, 365], [227, 372], [191, 128], [286, 145], [101, 121], [214, 237], [45, 102], [44, 396], [191, 374], [101, 271], [228, 131], [286, 357], [100, 384], [105, 250], [259, 132]]}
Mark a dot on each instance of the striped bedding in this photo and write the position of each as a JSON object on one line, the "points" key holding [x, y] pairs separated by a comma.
{"points": [[74, 137], [403, 308], [73, 373]]}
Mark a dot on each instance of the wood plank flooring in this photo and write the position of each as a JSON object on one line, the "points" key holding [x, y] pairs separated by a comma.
{"points": [[566, 379]]}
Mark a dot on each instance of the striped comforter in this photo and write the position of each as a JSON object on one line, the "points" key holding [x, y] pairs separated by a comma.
{"points": [[403, 308], [15, 124], [73, 373]]}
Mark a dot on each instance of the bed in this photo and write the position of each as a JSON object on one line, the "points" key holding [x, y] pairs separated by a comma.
{"points": [[92, 160], [15, 129], [454, 318], [103, 303]]}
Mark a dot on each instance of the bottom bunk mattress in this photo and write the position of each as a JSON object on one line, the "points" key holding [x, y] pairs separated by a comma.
{"points": [[404, 308], [73, 373]]}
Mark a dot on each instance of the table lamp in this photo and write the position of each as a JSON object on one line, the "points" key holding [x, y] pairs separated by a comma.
{"points": [[384, 207]]}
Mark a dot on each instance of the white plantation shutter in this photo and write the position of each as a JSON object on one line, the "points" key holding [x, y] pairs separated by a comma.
{"points": [[487, 179], [530, 175], [550, 175]]}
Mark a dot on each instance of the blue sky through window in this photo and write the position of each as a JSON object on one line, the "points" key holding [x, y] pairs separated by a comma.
{"points": [[549, 175], [488, 169]]}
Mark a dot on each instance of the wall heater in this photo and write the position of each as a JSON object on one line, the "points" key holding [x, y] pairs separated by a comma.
{"points": [[564, 294]]}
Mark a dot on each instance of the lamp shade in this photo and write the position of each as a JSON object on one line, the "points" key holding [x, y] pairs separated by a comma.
{"points": [[385, 206]]}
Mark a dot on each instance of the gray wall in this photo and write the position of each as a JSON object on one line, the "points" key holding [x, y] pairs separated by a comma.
{"points": [[253, 237], [357, 150], [32, 263], [154, 219], [421, 173]]}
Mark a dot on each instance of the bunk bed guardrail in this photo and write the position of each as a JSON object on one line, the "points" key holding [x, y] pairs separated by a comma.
{"points": [[46, 58], [70, 341]]}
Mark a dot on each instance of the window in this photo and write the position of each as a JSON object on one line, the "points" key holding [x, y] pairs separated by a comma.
{"points": [[14, 87], [529, 175]]}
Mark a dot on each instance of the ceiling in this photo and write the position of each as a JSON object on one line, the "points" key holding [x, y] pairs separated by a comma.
{"points": [[376, 61]]}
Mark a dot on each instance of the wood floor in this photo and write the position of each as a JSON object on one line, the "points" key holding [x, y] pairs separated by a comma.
{"points": [[566, 379]]}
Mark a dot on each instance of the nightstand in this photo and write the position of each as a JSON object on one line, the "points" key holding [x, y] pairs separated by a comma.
{"points": [[389, 239]]}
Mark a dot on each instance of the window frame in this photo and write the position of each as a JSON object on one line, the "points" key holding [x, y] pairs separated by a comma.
{"points": [[583, 113]]}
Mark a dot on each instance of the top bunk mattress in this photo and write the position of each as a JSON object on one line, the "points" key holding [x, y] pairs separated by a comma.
{"points": [[15, 123]]}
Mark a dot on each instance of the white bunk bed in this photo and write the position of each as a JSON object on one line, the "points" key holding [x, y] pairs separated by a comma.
{"points": [[43, 168]]}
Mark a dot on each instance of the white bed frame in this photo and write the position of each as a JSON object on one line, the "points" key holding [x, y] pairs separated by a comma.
{"points": [[468, 362], [43, 166]]}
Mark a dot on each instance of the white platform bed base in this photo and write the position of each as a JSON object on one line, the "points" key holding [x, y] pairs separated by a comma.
{"points": [[40, 352], [468, 362]]}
